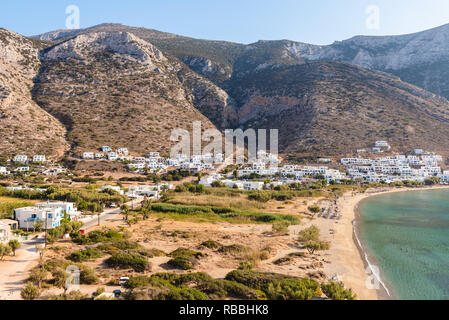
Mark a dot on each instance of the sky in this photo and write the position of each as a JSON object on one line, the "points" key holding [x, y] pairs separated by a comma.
{"points": [[243, 21]]}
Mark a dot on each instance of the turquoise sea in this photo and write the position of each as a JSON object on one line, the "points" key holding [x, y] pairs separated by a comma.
{"points": [[406, 235]]}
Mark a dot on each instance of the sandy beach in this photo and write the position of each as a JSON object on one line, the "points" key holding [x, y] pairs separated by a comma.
{"points": [[348, 261]]}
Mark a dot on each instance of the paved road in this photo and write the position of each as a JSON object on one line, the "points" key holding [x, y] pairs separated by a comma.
{"points": [[111, 214]]}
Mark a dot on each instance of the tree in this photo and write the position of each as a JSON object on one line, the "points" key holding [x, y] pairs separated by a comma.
{"points": [[60, 280], [14, 245], [41, 250], [432, 181], [125, 211], [38, 275], [310, 234], [30, 292], [38, 226], [310, 237], [317, 245], [4, 251], [314, 210]]}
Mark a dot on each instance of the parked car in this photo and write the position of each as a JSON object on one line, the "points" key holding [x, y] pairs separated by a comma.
{"points": [[123, 281]]}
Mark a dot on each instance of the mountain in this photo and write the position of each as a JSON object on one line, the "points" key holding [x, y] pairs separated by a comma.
{"points": [[113, 88], [328, 108], [421, 58], [24, 126], [213, 59], [322, 102]]}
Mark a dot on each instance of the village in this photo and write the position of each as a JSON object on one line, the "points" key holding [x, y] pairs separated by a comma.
{"points": [[267, 172]]}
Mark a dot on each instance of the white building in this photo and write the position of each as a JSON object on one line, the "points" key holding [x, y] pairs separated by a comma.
{"points": [[253, 185], [99, 156], [123, 151], [21, 158], [143, 191], [113, 156], [29, 216], [39, 158], [22, 169], [88, 156], [106, 149], [4, 171]]}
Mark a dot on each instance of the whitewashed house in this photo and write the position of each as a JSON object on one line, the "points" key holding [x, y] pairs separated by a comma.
{"points": [[21, 158], [29, 216], [66, 208], [39, 158], [4, 171], [22, 169], [113, 156], [253, 185], [89, 156], [123, 151], [143, 191], [99, 156]]}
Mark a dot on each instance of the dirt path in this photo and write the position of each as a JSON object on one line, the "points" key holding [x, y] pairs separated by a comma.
{"points": [[14, 270]]}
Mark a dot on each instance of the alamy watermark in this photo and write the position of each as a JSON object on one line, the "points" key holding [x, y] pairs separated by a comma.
{"points": [[72, 282], [373, 20], [236, 142], [73, 19]]}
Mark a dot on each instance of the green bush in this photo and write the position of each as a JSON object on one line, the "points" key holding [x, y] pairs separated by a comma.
{"points": [[211, 244], [125, 260], [85, 255], [260, 196], [337, 291], [293, 289], [88, 276], [185, 253], [234, 249], [182, 263], [277, 286]]}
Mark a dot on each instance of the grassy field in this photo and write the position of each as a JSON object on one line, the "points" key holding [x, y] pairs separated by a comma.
{"points": [[7, 206], [218, 205]]}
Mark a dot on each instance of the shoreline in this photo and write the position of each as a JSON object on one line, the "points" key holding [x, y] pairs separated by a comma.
{"points": [[349, 260]]}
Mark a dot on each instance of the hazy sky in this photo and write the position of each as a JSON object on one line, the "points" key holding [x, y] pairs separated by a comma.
{"points": [[244, 21]]}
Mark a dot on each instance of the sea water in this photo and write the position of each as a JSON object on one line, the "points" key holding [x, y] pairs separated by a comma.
{"points": [[407, 236]]}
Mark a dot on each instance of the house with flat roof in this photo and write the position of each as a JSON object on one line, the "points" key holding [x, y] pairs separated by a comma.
{"points": [[29, 216], [21, 158], [88, 156], [39, 158]]}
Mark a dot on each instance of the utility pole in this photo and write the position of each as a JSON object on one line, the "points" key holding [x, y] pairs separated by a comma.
{"points": [[46, 228]]}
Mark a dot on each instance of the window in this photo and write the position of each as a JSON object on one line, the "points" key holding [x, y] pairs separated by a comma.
{"points": [[50, 216]]}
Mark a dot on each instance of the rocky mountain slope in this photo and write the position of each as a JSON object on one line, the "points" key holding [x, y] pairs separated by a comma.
{"points": [[24, 126], [116, 89], [331, 108], [321, 104]]}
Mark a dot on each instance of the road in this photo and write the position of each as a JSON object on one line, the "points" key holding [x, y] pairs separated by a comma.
{"points": [[111, 214], [14, 270]]}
